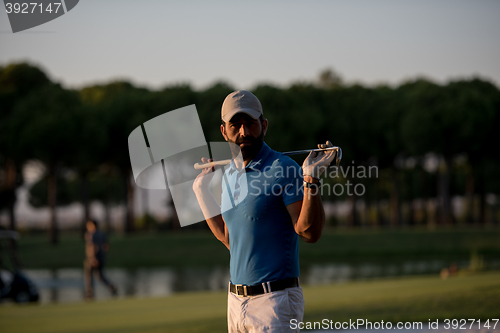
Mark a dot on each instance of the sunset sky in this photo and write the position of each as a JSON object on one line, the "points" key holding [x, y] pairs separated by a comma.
{"points": [[155, 43]]}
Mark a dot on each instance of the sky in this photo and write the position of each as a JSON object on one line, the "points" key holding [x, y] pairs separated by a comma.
{"points": [[156, 42]]}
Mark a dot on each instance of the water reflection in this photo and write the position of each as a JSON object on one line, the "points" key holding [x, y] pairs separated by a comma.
{"points": [[66, 285], [343, 272]]}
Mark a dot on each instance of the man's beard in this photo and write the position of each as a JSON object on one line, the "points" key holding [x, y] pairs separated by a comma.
{"points": [[249, 152]]}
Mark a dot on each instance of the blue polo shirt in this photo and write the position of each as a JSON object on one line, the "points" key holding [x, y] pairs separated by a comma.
{"points": [[263, 243]]}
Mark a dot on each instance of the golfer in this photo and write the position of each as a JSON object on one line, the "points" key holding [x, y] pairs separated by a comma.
{"points": [[96, 247], [262, 228]]}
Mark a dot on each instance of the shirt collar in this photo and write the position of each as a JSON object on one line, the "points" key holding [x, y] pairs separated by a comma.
{"points": [[257, 162]]}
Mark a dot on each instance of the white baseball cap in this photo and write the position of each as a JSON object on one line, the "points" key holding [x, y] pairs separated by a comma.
{"points": [[241, 101]]}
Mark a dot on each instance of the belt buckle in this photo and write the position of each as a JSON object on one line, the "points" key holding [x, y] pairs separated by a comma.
{"points": [[245, 292], [267, 287]]}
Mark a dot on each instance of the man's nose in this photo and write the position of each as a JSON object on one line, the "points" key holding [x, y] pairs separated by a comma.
{"points": [[244, 130]]}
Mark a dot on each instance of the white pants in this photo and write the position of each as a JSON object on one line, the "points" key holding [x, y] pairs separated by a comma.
{"points": [[270, 313]]}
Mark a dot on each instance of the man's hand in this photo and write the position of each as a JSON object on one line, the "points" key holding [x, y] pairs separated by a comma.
{"points": [[203, 179], [317, 162]]}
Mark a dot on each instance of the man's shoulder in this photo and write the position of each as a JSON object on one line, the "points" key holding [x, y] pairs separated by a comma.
{"points": [[99, 237], [283, 167], [278, 159]]}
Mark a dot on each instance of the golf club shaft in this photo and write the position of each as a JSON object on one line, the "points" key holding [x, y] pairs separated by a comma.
{"points": [[304, 151], [199, 166]]}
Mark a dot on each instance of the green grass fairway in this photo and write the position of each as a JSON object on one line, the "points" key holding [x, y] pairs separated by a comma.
{"points": [[409, 299]]}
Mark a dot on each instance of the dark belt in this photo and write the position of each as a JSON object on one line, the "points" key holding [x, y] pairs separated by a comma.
{"points": [[263, 288]]}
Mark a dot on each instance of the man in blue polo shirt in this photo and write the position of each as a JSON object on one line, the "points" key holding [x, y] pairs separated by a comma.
{"points": [[268, 203]]}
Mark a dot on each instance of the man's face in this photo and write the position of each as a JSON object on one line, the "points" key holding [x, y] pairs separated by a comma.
{"points": [[90, 227], [246, 132]]}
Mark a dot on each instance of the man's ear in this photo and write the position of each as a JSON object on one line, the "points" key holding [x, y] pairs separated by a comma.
{"points": [[264, 125], [223, 131]]}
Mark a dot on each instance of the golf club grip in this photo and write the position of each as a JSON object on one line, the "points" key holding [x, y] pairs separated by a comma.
{"points": [[199, 166]]}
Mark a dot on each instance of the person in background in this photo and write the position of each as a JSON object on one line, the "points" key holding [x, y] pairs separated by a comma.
{"points": [[96, 246]]}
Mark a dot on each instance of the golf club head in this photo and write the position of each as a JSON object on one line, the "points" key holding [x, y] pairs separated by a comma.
{"points": [[338, 158]]}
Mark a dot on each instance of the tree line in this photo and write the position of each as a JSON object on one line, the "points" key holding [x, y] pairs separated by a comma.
{"points": [[80, 136]]}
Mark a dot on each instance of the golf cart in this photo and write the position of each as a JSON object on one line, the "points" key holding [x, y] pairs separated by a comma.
{"points": [[13, 283]]}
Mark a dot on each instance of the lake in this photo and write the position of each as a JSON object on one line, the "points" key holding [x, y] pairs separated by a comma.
{"points": [[66, 285]]}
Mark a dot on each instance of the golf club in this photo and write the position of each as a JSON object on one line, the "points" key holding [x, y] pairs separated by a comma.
{"points": [[338, 158]]}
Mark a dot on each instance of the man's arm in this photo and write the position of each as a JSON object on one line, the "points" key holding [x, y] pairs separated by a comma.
{"points": [[216, 223], [209, 206], [90, 249], [308, 215]]}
